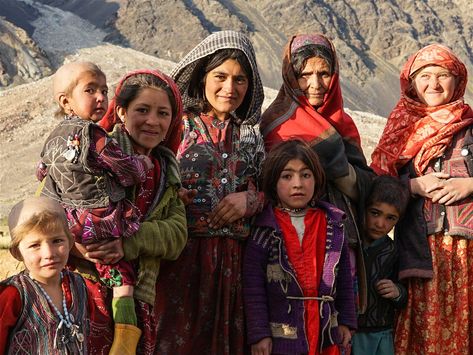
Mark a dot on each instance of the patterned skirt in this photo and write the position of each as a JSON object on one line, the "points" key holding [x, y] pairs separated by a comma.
{"points": [[438, 318], [199, 300], [102, 326]]}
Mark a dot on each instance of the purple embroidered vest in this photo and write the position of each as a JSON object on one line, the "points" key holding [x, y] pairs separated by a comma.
{"points": [[36, 328]]}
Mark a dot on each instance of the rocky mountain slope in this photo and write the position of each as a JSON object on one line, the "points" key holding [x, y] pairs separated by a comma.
{"points": [[373, 37]]}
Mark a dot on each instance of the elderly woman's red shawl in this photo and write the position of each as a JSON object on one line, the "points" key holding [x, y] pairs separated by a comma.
{"points": [[291, 115]]}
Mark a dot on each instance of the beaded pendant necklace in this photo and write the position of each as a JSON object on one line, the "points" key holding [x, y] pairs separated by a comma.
{"points": [[68, 330]]}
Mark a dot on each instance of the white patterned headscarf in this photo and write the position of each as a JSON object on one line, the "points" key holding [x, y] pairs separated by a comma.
{"points": [[251, 140]]}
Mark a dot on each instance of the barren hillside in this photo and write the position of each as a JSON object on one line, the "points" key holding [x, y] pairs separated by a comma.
{"points": [[373, 37], [28, 118]]}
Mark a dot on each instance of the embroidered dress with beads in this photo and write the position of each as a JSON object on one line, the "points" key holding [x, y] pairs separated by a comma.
{"points": [[38, 330], [199, 296]]}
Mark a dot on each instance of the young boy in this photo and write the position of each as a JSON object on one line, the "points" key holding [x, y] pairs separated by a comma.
{"points": [[43, 309], [386, 203]]}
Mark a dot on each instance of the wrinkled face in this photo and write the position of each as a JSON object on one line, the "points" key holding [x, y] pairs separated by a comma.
{"points": [[88, 99], [380, 219], [314, 80], [296, 185], [45, 255], [225, 88], [434, 85], [147, 119]]}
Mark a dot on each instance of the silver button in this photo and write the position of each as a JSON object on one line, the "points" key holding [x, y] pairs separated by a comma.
{"points": [[464, 152], [196, 155], [199, 188], [193, 159], [202, 218], [189, 186], [225, 230], [196, 175], [442, 213], [225, 171], [224, 155], [203, 200], [437, 164], [187, 155], [224, 180]]}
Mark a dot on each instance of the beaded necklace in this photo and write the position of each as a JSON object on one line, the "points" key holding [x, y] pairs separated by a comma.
{"points": [[293, 210], [69, 331]]}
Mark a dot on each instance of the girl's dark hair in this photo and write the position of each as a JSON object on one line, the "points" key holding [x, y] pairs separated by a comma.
{"points": [[277, 160], [196, 88], [390, 190], [133, 85], [300, 57]]}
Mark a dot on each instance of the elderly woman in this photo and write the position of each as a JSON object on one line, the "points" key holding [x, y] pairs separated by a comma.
{"points": [[310, 106], [428, 142], [200, 294]]}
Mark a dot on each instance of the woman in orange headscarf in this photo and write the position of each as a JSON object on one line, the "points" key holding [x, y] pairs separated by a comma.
{"points": [[428, 142]]}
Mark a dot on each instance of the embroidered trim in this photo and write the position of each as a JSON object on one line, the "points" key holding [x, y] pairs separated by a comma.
{"points": [[281, 330]]}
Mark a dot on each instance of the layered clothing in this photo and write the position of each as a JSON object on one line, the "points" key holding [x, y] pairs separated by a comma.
{"points": [[29, 324], [332, 134], [298, 292], [435, 240], [162, 235], [200, 302]]}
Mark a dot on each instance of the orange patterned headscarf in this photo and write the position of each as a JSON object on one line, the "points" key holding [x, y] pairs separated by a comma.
{"points": [[415, 131]]}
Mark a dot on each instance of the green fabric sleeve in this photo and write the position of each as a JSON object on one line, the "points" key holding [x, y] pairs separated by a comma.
{"points": [[164, 234]]}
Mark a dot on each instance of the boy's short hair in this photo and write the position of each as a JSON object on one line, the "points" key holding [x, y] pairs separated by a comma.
{"points": [[35, 214], [390, 190], [67, 76], [277, 160]]}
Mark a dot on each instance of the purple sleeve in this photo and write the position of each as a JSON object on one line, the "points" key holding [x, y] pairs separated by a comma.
{"points": [[345, 299], [127, 169], [254, 290]]}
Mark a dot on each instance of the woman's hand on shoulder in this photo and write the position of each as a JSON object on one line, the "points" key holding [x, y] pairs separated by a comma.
{"points": [[453, 190], [106, 252], [230, 209], [263, 347], [426, 185]]}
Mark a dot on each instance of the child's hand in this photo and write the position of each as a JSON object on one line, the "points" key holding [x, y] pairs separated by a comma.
{"points": [[148, 163], [187, 195], [345, 335], [387, 289], [263, 347]]}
